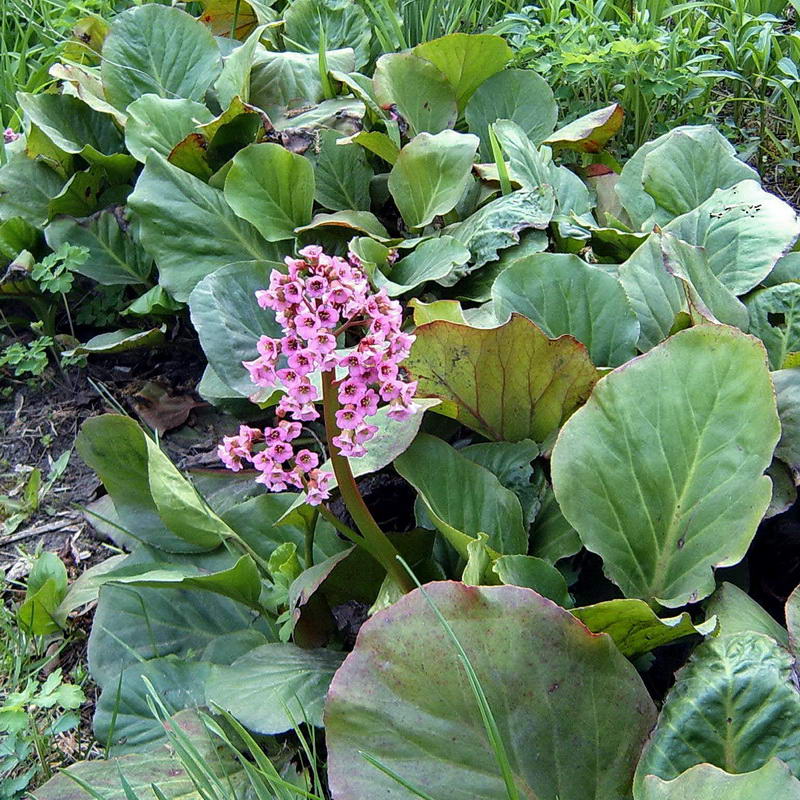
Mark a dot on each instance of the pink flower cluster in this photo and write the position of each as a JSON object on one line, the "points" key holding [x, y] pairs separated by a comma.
{"points": [[318, 299], [10, 136], [274, 460]]}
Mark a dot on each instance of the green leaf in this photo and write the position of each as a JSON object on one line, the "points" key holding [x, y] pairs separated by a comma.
{"points": [[562, 294], [123, 721], [775, 319], [534, 573], [589, 133], [745, 231], [466, 60], [241, 582], [462, 497], [430, 175], [359, 221], [552, 537], [189, 228], [507, 383], [787, 390], [80, 194], [119, 341], [787, 270], [278, 80], [733, 705], [71, 125], [179, 504], [684, 168], [276, 687], [229, 321], [135, 623], [511, 462], [478, 285], [661, 473], [119, 451], [342, 174], [26, 189], [706, 782], [114, 256], [581, 701], [418, 90], [39, 613], [343, 24], [498, 224], [159, 767], [160, 123], [635, 628], [234, 79], [157, 49], [272, 188], [432, 260], [84, 589], [738, 612], [16, 235], [376, 142], [516, 94], [154, 302]]}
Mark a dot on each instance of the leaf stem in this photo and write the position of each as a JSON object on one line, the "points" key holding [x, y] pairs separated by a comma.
{"points": [[375, 540]]}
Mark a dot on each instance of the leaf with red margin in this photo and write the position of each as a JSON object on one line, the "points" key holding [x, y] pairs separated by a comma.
{"points": [[561, 696], [507, 383]]}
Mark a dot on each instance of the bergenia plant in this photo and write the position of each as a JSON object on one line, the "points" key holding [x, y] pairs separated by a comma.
{"points": [[316, 302]]}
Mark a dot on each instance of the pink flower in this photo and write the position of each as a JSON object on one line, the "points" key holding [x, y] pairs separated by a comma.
{"points": [[351, 391], [348, 417], [320, 298], [306, 460]]}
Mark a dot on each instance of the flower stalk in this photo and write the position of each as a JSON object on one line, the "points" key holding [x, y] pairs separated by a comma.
{"points": [[375, 540]]}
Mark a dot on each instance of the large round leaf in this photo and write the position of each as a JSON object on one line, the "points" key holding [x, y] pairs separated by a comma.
{"points": [[420, 92], [466, 60], [677, 172], [160, 767], [155, 49], [661, 472], [507, 383], [706, 782], [123, 721], [745, 231], [229, 320], [430, 175], [278, 80], [275, 687], [572, 712], [272, 188], [135, 623], [516, 94], [189, 228], [733, 705], [562, 294]]}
